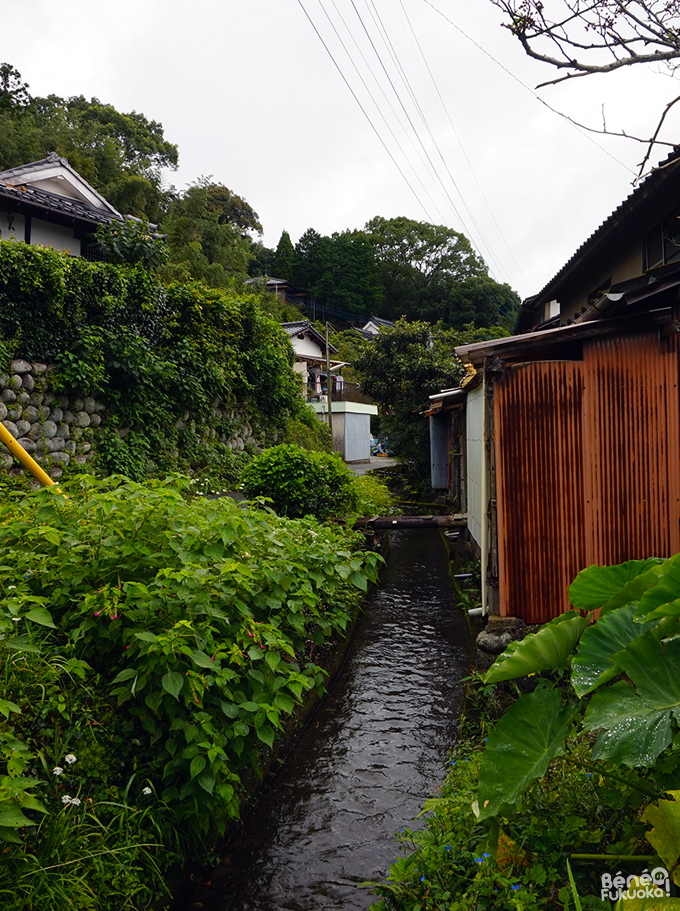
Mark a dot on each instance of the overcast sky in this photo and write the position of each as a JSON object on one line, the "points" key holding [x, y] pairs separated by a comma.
{"points": [[447, 133]]}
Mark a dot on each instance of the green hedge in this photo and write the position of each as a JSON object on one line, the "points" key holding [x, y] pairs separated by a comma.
{"points": [[179, 368]]}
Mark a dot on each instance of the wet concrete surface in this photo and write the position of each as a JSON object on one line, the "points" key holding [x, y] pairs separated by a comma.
{"points": [[376, 749]]}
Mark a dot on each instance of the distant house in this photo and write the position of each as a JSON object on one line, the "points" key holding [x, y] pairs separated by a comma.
{"points": [[371, 328], [351, 412], [48, 203], [563, 444]]}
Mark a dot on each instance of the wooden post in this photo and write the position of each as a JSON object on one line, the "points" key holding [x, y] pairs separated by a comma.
{"points": [[329, 387]]}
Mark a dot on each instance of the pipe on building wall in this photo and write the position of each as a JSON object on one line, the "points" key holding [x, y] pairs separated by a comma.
{"points": [[24, 457]]}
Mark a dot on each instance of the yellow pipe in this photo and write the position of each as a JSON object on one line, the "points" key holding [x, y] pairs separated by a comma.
{"points": [[26, 460]]}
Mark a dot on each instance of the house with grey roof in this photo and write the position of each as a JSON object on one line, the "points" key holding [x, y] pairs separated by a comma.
{"points": [[349, 411], [47, 203], [562, 444]]}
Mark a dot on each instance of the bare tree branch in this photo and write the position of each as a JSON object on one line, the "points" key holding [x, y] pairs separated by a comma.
{"points": [[582, 37]]}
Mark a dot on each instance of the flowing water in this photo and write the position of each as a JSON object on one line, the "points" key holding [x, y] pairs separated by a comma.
{"points": [[375, 750]]}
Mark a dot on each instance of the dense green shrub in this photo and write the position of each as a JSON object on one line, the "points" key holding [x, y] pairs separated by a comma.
{"points": [[301, 483], [308, 432], [180, 369], [168, 641]]}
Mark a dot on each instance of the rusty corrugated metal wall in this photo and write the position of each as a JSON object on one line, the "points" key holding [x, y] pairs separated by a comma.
{"points": [[587, 467], [539, 486]]}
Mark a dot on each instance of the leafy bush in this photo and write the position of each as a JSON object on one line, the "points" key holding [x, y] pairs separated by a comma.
{"points": [[196, 619], [301, 483], [308, 432], [180, 369], [373, 496]]}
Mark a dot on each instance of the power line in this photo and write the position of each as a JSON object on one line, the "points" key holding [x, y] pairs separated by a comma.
{"points": [[490, 292]]}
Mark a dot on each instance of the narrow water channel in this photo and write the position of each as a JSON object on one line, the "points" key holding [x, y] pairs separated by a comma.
{"points": [[375, 750]]}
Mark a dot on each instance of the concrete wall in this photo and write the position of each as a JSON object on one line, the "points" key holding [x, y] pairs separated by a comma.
{"points": [[351, 428]]}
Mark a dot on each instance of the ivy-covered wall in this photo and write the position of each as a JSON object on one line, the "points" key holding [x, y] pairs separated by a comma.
{"points": [[185, 378]]}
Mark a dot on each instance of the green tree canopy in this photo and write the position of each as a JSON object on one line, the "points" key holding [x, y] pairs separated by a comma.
{"points": [[401, 367], [341, 271], [119, 154], [431, 272], [207, 229], [283, 258]]}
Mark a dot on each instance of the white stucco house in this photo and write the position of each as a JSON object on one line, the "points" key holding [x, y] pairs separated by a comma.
{"points": [[47, 203], [351, 420]]}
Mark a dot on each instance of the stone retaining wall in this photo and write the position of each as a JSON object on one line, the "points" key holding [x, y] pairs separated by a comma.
{"points": [[55, 429]]}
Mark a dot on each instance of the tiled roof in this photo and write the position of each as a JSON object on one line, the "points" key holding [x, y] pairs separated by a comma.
{"points": [[305, 326], [53, 202]]}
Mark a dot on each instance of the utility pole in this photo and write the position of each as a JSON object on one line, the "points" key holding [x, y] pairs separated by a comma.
{"points": [[329, 386]]}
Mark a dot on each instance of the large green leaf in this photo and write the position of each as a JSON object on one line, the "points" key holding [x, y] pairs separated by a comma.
{"points": [[521, 747], [596, 586], [11, 815], [664, 837], [663, 600], [41, 616], [592, 665], [172, 683], [635, 723], [548, 648]]}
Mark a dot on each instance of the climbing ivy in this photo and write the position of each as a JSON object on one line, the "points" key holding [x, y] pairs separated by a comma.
{"points": [[180, 369]]}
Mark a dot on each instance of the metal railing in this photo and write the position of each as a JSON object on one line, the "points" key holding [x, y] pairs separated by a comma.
{"points": [[350, 392]]}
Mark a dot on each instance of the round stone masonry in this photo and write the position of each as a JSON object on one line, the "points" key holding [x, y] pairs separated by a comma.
{"points": [[7, 396], [23, 427], [29, 383], [57, 415], [3, 411], [15, 381], [20, 366], [12, 427], [50, 429]]}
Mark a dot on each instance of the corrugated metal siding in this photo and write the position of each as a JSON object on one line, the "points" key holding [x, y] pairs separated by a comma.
{"points": [[587, 467], [631, 463], [539, 487]]}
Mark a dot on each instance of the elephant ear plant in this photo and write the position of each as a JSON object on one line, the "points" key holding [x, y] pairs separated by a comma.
{"points": [[623, 669]]}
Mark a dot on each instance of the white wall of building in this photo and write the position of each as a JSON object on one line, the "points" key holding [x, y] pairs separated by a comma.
{"points": [[12, 226], [476, 462], [56, 236]]}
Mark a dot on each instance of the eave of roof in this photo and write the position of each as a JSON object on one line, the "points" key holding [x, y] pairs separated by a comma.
{"points": [[21, 175], [532, 344], [305, 326], [25, 196], [639, 204]]}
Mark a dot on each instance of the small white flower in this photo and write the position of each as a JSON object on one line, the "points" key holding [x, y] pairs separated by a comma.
{"points": [[69, 758], [16, 619], [136, 742], [146, 790], [66, 800], [10, 587], [57, 770], [75, 801]]}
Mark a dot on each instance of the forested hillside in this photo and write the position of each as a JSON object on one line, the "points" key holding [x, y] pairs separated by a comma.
{"points": [[393, 267]]}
